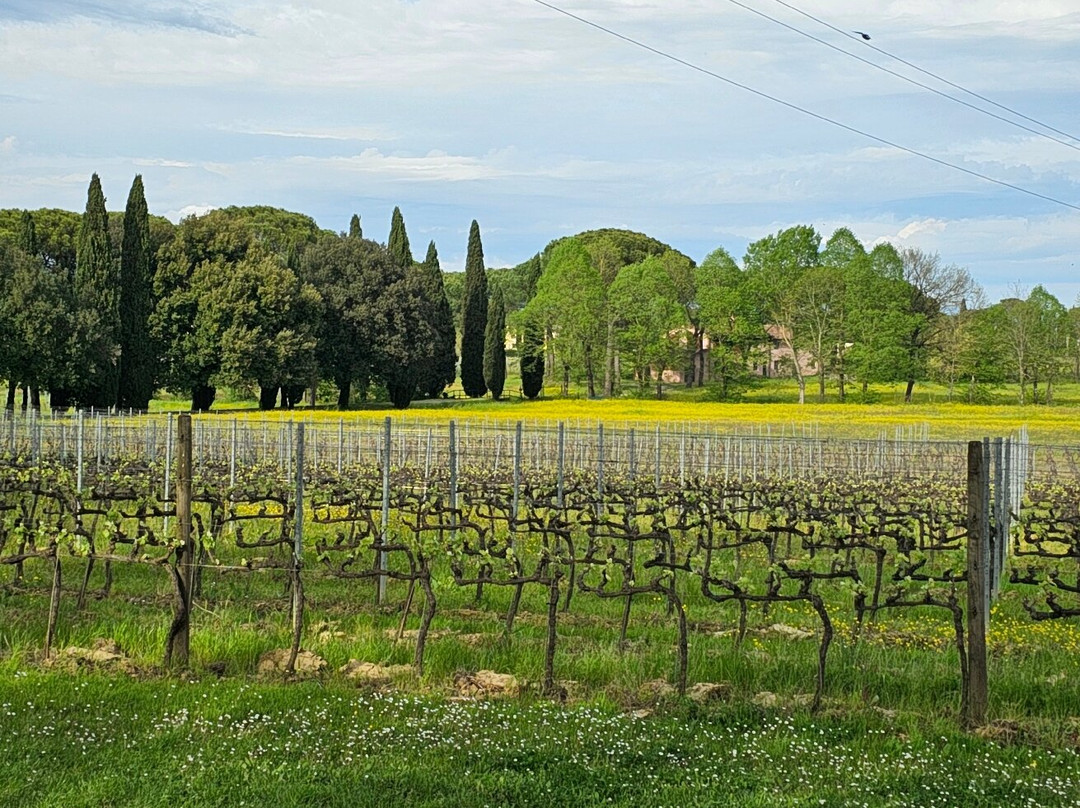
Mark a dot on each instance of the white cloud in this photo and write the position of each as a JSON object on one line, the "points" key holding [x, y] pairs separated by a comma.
{"points": [[433, 167], [161, 162], [334, 133], [189, 210], [539, 126], [924, 226]]}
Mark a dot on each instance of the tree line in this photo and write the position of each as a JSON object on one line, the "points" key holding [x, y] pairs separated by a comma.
{"points": [[623, 308], [102, 310]]}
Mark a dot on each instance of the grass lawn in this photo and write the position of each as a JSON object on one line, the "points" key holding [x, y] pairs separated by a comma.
{"points": [[97, 741]]}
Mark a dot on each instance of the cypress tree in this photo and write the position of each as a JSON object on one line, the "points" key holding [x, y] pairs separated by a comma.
{"points": [[98, 304], [398, 245], [474, 317], [495, 345], [442, 368], [532, 361], [28, 242], [532, 338], [136, 377], [354, 227]]}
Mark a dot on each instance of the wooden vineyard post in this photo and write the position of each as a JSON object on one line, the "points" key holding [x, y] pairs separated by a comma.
{"points": [[976, 687], [452, 451], [561, 466], [512, 528], [517, 473], [297, 554], [232, 456], [177, 643], [384, 525]]}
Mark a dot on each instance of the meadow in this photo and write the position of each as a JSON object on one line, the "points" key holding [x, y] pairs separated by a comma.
{"points": [[772, 406]]}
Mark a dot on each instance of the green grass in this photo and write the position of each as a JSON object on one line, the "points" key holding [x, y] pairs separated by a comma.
{"points": [[887, 734], [95, 741]]}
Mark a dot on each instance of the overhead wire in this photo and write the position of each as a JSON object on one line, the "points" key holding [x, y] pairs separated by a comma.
{"points": [[916, 82], [926, 72], [803, 110]]}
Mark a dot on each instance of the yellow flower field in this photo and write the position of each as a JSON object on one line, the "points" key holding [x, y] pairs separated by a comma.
{"points": [[941, 421]]}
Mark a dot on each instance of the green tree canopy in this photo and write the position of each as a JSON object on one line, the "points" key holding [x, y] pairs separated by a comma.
{"points": [[97, 291], [263, 318], [137, 360], [570, 306], [212, 245], [398, 243], [651, 321], [474, 317], [442, 370], [730, 320], [495, 346]]}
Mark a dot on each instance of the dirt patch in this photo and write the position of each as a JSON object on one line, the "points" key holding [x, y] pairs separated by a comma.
{"points": [[790, 632], [326, 631], [1002, 731], [410, 635], [656, 691], [274, 663], [485, 685], [704, 692], [766, 699], [104, 654], [371, 674]]}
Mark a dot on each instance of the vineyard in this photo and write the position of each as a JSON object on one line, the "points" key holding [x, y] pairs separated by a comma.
{"points": [[706, 534]]}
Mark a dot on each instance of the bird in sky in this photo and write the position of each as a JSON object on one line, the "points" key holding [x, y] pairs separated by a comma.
{"points": [[864, 36]]}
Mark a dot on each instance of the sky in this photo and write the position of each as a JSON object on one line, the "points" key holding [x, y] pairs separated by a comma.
{"points": [[538, 125]]}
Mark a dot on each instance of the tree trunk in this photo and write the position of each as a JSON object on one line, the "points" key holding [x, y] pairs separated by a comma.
{"points": [[35, 399], [10, 406], [590, 375], [566, 380], [268, 398], [549, 350], [699, 341], [910, 387], [344, 393], [25, 397], [202, 397], [292, 396], [821, 383], [59, 400], [802, 390], [609, 361]]}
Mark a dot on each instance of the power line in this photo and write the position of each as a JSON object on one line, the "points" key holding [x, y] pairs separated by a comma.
{"points": [[908, 79], [930, 73], [803, 110]]}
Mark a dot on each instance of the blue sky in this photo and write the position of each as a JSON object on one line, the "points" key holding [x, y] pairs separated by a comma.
{"points": [[539, 126]]}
